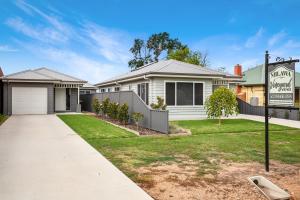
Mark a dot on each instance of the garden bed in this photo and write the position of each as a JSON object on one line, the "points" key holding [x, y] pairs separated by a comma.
{"points": [[141, 131]]}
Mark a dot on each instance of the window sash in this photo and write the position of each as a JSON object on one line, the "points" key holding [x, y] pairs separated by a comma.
{"points": [[196, 99]]}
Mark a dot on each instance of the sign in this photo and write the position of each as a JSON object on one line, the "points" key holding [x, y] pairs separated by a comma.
{"points": [[281, 84]]}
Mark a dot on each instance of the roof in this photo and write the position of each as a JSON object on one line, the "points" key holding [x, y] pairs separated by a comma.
{"points": [[256, 76], [169, 67], [88, 86], [42, 74]]}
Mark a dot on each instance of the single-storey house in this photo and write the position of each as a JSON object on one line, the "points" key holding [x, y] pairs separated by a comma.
{"points": [[88, 88], [252, 89], [183, 86], [40, 91]]}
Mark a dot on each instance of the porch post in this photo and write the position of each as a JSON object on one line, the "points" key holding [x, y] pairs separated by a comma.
{"points": [[78, 107]]}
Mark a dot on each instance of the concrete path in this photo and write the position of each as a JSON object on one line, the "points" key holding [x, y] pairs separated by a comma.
{"points": [[284, 122], [41, 158]]}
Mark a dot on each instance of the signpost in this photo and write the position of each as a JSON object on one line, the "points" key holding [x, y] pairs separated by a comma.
{"points": [[279, 91]]}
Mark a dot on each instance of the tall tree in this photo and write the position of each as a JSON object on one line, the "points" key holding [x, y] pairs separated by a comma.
{"points": [[146, 52], [189, 56]]}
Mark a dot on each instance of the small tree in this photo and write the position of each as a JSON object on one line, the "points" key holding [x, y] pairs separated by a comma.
{"points": [[223, 100], [96, 106], [105, 106], [123, 113], [113, 109], [160, 104], [137, 117]]}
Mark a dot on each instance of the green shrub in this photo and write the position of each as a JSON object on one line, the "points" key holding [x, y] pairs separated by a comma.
{"points": [[137, 118], [222, 101], [105, 106], [160, 104], [96, 106], [123, 113], [113, 109]]}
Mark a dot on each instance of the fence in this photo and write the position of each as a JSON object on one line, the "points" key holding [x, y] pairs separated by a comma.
{"points": [[157, 120], [246, 108]]}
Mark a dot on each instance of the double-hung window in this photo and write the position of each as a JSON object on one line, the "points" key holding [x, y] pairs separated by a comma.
{"points": [[184, 93], [143, 92]]}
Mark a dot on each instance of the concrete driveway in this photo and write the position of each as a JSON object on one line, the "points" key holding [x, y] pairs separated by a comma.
{"points": [[41, 158]]}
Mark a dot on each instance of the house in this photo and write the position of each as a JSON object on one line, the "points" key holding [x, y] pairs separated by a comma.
{"points": [[40, 91], [88, 89], [252, 89], [183, 86]]}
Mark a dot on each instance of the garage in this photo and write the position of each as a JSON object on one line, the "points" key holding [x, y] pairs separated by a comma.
{"points": [[29, 100]]}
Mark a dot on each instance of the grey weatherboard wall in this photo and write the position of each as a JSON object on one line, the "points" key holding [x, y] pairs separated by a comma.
{"points": [[7, 95], [157, 120]]}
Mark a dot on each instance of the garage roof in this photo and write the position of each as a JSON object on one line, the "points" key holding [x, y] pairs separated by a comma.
{"points": [[43, 75]]}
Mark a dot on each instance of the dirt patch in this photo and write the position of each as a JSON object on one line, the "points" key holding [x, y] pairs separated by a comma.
{"points": [[181, 181]]}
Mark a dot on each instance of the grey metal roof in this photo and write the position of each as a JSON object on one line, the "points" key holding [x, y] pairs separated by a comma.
{"points": [[88, 86], [42, 74], [169, 67]]}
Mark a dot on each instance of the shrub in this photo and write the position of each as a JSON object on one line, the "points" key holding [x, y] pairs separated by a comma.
{"points": [[287, 114], [123, 113], [105, 106], [223, 100], [96, 106], [137, 117], [113, 109], [160, 104]]}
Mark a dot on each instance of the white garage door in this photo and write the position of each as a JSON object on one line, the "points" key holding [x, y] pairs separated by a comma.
{"points": [[29, 100]]}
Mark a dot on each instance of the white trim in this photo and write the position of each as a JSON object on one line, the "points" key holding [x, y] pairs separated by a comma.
{"points": [[174, 106]]}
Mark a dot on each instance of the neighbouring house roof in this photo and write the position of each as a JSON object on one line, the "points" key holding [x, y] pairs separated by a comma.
{"points": [[88, 86], [169, 67], [256, 76], [42, 75]]}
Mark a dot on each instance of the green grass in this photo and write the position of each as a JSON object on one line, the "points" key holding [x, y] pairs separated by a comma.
{"points": [[3, 118], [227, 126], [236, 140], [92, 128]]}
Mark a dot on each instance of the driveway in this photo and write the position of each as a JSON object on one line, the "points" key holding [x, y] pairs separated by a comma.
{"points": [[41, 158]]}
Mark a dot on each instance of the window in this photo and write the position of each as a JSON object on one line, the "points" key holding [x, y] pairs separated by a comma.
{"points": [[184, 93], [82, 92], [102, 90], [170, 94], [88, 92], [108, 89], [143, 92], [117, 89], [198, 94]]}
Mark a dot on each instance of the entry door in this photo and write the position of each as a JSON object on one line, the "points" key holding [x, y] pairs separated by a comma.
{"points": [[60, 99], [29, 100]]}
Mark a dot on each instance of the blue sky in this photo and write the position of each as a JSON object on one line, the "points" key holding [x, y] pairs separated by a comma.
{"points": [[91, 39]]}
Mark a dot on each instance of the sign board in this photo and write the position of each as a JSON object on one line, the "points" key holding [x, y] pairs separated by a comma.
{"points": [[281, 84]]}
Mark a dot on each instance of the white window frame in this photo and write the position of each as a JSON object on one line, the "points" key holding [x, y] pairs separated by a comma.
{"points": [[170, 81], [137, 89]]}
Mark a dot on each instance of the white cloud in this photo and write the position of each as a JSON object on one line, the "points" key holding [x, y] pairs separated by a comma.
{"points": [[45, 34], [112, 44], [292, 44], [86, 50], [6, 48], [276, 38], [253, 40]]}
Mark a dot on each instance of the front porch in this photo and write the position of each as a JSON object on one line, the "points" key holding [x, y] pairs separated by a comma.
{"points": [[66, 98]]}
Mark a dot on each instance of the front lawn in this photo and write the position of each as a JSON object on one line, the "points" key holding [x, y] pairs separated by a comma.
{"points": [[236, 140], [227, 126], [3, 118]]}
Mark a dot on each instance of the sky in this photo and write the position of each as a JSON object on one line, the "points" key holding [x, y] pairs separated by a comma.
{"points": [[91, 39]]}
